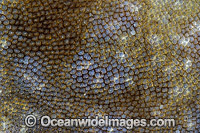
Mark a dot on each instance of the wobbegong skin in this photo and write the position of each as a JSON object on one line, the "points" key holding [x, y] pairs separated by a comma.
{"points": [[80, 58]]}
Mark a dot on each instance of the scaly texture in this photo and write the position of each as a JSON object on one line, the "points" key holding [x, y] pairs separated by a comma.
{"points": [[79, 58]]}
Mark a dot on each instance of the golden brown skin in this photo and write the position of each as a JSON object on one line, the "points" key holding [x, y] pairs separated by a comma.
{"points": [[79, 58]]}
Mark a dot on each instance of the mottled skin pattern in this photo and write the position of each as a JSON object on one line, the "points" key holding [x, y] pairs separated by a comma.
{"points": [[79, 58]]}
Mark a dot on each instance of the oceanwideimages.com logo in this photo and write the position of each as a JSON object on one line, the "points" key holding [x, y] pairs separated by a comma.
{"points": [[46, 121]]}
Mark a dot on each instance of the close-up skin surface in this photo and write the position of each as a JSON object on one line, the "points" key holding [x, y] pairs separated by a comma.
{"points": [[117, 58]]}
